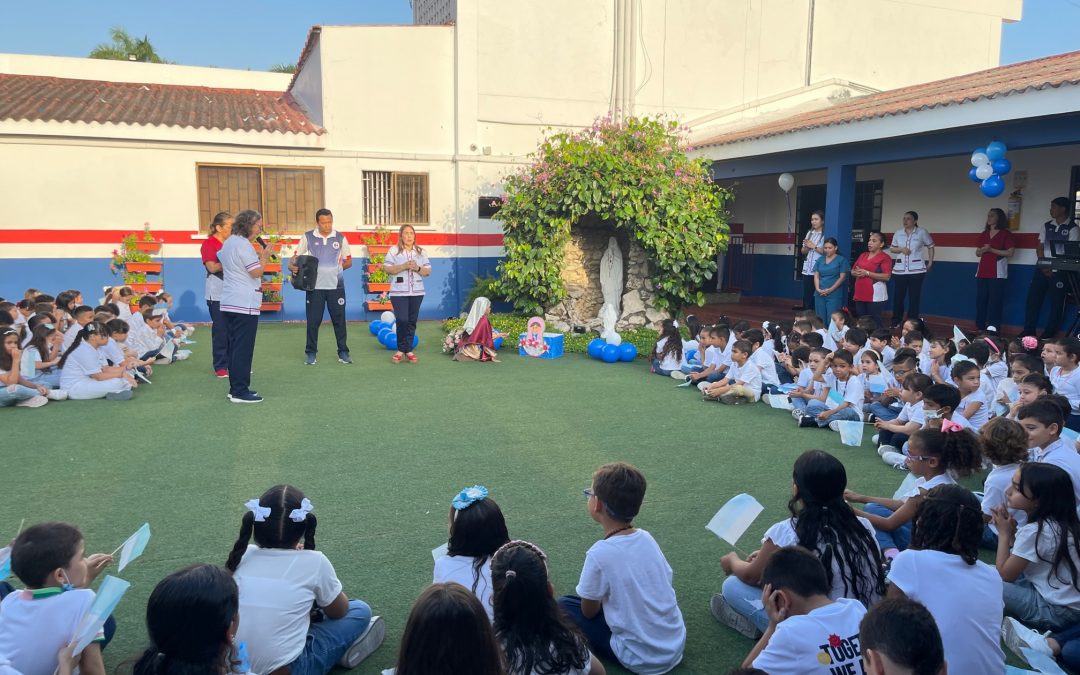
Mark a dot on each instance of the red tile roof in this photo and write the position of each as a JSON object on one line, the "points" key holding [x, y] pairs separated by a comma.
{"points": [[30, 97], [1050, 72]]}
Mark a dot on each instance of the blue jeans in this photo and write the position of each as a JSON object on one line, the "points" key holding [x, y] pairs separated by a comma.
{"points": [[900, 538], [691, 368], [595, 629], [658, 370], [883, 412], [1069, 639], [744, 599], [1025, 604], [815, 408], [49, 378], [989, 541], [12, 394], [328, 640]]}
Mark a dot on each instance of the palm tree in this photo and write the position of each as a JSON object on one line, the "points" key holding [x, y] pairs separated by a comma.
{"points": [[283, 68], [126, 48]]}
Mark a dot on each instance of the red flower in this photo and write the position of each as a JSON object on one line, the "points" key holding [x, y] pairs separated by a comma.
{"points": [[834, 640]]}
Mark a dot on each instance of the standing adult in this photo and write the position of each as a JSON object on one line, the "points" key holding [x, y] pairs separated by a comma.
{"points": [[332, 251], [913, 250], [871, 271], [1049, 284], [407, 266], [812, 248], [995, 246], [830, 272], [241, 297], [220, 228]]}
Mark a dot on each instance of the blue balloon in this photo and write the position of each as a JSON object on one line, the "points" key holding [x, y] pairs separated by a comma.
{"points": [[1001, 166], [596, 345], [498, 343], [627, 352], [609, 354], [996, 150], [415, 341], [993, 186], [383, 332], [690, 354], [974, 176], [375, 327], [388, 339]]}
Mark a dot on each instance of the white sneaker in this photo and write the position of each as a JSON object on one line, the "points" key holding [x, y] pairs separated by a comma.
{"points": [[679, 375], [895, 459], [57, 395], [1018, 637], [796, 413], [364, 645], [882, 449], [183, 354], [32, 402], [874, 439], [835, 425]]}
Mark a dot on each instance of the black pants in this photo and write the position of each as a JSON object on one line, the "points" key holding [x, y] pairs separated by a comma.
{"points": [[219, 334], [909, 285], [406, 312], [873, 309], [989, 298], [808, 291], [334, 301], [1052, 288], [242, 329]]}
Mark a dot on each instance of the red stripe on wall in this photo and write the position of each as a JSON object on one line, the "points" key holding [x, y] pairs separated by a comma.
{"points": [[184, 237], [1024, 240]]}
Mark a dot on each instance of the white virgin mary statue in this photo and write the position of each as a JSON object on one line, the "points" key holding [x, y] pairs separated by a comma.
{"points": [[611, 285]]}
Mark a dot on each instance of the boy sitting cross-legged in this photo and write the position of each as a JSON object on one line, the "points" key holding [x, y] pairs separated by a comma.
{"points": [[625, 603], [743, 381]]}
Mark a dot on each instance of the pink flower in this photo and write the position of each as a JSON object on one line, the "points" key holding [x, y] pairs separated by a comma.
{"points": [[1029, 342]]}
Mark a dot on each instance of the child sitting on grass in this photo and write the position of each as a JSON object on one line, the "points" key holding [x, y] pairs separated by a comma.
{"points": [[40, 357], [879, 342], [844, 399], [936, 458], [37, 622], [1065, 377], [899, 637], [808, 632], [1043, 422], [625, 602], [1005, 444], [1008, 389], [1031, 387], [477, 530], [668, 350], [743, 380], [84, 378], [807, 388], [974, 406], [942, 570], [16, 390], [715, 362]]}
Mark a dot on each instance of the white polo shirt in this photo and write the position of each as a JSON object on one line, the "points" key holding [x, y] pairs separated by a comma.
{"points": [[34, 625], [240, 292], [918, 241]]}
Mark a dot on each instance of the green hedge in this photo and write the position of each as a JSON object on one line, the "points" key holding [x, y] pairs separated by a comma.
{"points": [[515, 324]]}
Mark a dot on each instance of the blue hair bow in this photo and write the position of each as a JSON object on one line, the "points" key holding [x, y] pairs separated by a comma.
{"points": [[469, 496]]}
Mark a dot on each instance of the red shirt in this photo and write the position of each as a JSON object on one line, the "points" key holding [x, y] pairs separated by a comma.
{"points": [[210, 248], [993, 266], [879, 264]]}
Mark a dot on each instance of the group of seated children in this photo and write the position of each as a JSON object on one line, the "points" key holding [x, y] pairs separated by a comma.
{"points": [[57, 348]]}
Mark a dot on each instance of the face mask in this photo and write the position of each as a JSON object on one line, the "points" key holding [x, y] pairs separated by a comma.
{"points": [[933, 414]]}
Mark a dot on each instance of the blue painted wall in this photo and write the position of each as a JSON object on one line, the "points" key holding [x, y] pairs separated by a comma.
{"points": [[949, 290], [450, 281]]}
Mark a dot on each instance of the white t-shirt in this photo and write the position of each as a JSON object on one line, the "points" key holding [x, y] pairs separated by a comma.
{"points": [[851, 390], [459, 569], [783, 534], [981, 416], [806, 378], [824, 641], [749, 374], [668, 362], [1054, 586], [34, 625], [80, 365], [997, 482], [69, 337], [827, 341], [765, 360], [143, 338], [240, 292], [1068, 385], [995, 372], [922, 486], [1061, 453], [887, 356], [277, 589], [632, 579], [113, 352], [712, 357], [965, 601], [27, 366], [912, 412]]}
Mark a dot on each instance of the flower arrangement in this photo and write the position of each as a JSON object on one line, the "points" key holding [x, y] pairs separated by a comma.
{"points": [[379, 276], [271, 296], [380, 237], [452, 340], [383, 298], [470, 496]]}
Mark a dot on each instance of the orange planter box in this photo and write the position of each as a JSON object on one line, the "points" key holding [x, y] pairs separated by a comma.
{"points": [[378, 288], [374, 268], [271, 268], [145, 268], [148, 246], [377, 249], [270, 307], [378, 306], [148, 287], [271, 286]]}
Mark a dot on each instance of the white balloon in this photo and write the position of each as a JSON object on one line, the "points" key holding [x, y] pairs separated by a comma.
{"points": [[387, 317], [786, 181], [984, 171], [614, 339], [979, 159]]}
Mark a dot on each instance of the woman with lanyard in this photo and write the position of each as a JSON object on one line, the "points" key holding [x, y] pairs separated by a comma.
{"points": [[407, 266], [830, 271], [871, 271], [219, 230], [241, 297], [913, 250], [812, 248], [995, 246]]}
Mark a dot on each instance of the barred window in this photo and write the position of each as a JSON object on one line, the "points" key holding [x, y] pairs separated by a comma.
{"points": [[287, 197], [392, 198]]}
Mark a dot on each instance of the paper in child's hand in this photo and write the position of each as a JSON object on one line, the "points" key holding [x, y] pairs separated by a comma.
{"points": [[440, 551], [735, 517]]}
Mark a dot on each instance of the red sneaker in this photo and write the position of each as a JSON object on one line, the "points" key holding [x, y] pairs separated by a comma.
{"points": [[221, 373]]}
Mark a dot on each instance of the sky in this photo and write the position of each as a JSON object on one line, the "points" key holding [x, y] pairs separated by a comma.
{"points": [[256, 34]]}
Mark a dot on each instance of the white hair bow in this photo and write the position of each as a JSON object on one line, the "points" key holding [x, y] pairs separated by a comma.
{"points": [[674, 323], [300, 515], [260, 512], [960, 357]]}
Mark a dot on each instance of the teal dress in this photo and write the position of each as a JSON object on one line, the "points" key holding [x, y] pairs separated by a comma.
{"points": [[829, 273]]}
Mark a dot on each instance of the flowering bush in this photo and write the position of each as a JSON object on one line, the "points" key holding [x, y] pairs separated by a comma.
{"points": [[633, 175]]}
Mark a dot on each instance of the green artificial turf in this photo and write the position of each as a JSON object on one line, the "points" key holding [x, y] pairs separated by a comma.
{"points": [[380, 449]]}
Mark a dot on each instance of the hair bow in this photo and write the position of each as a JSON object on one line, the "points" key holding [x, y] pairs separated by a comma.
{"points": [[960, 358], [300, 515], [675, 323], [992, 345], [469, 496], [1029, 342], [949, 427], [260, 512], [49, 326]]}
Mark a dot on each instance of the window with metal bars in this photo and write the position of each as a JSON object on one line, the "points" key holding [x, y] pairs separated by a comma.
{"points": [[396, 198]]}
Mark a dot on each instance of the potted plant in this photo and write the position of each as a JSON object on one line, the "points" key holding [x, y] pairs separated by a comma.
{"points": [[273, 283], [271, 301], [378, 241], [375, 262], [273, 266], [378, 281], [148, 244], [139, 284], [275, 241], [380, 303]]}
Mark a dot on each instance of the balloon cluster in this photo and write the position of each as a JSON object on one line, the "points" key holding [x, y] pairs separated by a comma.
{"points": [[988, 165], [385, 331], [601, 350]]}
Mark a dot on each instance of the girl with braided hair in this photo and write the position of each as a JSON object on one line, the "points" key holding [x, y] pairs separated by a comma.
{"points": [[942, 570], [821, 521], [534, 633]]}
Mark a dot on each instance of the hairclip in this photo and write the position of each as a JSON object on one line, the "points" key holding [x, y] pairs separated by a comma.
{"points": [[260, 512], [49, 326], [993, 345], [468, 496], [674, 323], [950, 427], [90, 328], [1029, 342], [300, 515], [960, 358], [510, 575]]}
